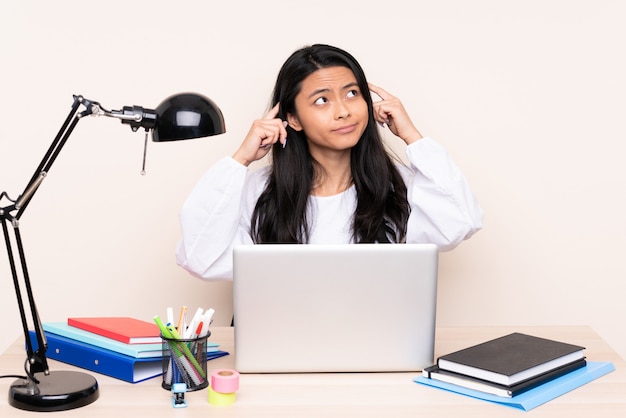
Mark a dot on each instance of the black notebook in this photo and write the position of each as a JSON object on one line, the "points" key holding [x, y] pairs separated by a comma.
{"points": [[434, 372], [511, 359]]}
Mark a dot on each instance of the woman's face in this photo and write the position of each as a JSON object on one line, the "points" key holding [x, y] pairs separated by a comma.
{"points": [[331, 110]]}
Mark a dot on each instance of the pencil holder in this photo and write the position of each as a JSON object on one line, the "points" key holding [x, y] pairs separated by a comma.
{"points": [[184, 361]]}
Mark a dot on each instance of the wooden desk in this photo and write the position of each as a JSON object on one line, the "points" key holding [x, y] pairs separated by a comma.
{"points": [[344, 395]]}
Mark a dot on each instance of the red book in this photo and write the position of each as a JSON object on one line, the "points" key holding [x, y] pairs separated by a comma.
{"points": [[121, 328]]}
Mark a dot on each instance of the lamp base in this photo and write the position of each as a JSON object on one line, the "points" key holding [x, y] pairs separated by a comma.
{"points": [[57, 391]]}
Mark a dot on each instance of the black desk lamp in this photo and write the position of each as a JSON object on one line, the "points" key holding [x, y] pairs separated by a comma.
{"points": [[181, 116]]}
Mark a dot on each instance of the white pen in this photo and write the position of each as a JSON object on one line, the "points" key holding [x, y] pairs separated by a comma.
{"points": [[206, 321], [170, 315], [208, 315], [193, 324]]}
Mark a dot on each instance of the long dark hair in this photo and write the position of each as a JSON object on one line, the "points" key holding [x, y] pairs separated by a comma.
{"points": [[280, 215]]}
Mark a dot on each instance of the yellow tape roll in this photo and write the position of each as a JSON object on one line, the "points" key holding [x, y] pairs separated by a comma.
{"points": [[221, 399]]}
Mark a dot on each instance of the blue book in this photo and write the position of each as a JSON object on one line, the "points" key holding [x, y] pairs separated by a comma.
{"points": [[534, 397], [107, 362], [133, 350]]}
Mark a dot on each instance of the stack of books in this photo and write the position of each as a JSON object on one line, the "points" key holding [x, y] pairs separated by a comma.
{"points": [[125, 348], [512, 367]]}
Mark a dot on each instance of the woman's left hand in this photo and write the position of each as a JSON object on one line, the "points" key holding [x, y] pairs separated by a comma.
{"points": [[390, 111]]}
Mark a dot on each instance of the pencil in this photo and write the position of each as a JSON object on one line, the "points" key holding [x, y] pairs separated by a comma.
{"points": [[181, 320]]}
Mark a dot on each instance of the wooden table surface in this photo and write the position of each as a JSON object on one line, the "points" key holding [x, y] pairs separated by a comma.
{"points": [[343, 394]]}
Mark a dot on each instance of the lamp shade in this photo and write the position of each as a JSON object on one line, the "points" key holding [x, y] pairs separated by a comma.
{"points": [[186, 116]]}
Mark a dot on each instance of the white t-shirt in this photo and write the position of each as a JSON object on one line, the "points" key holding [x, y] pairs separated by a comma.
{"points": [[331, 220]]}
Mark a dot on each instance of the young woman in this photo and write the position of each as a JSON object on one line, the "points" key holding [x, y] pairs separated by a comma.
{"points": [[330, 179]]}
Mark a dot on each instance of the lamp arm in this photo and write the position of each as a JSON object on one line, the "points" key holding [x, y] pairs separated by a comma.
{"points": [[135, 116], [48, 159], [36, 362], [10, 215]]}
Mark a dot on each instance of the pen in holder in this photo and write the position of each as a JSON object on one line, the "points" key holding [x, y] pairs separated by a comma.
{"points": [[184, 361]]}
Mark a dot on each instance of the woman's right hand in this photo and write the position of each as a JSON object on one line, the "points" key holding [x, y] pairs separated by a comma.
{"points": [[263, 133]]}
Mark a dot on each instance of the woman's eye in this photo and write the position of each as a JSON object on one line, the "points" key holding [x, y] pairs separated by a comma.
{"points": [[353, 93], [320, 100]]}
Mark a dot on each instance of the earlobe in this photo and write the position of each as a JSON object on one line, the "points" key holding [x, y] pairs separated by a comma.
{"points": [[293, 122]]}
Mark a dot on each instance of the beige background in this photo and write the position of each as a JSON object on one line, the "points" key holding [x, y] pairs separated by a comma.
{"points": [[527, 96]]}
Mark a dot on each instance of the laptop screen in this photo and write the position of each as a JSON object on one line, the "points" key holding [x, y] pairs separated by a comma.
{"points": [[334, 308]]}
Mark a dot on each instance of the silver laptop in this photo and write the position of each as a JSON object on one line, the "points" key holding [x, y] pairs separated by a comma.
{"points": [[334, 308]]}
